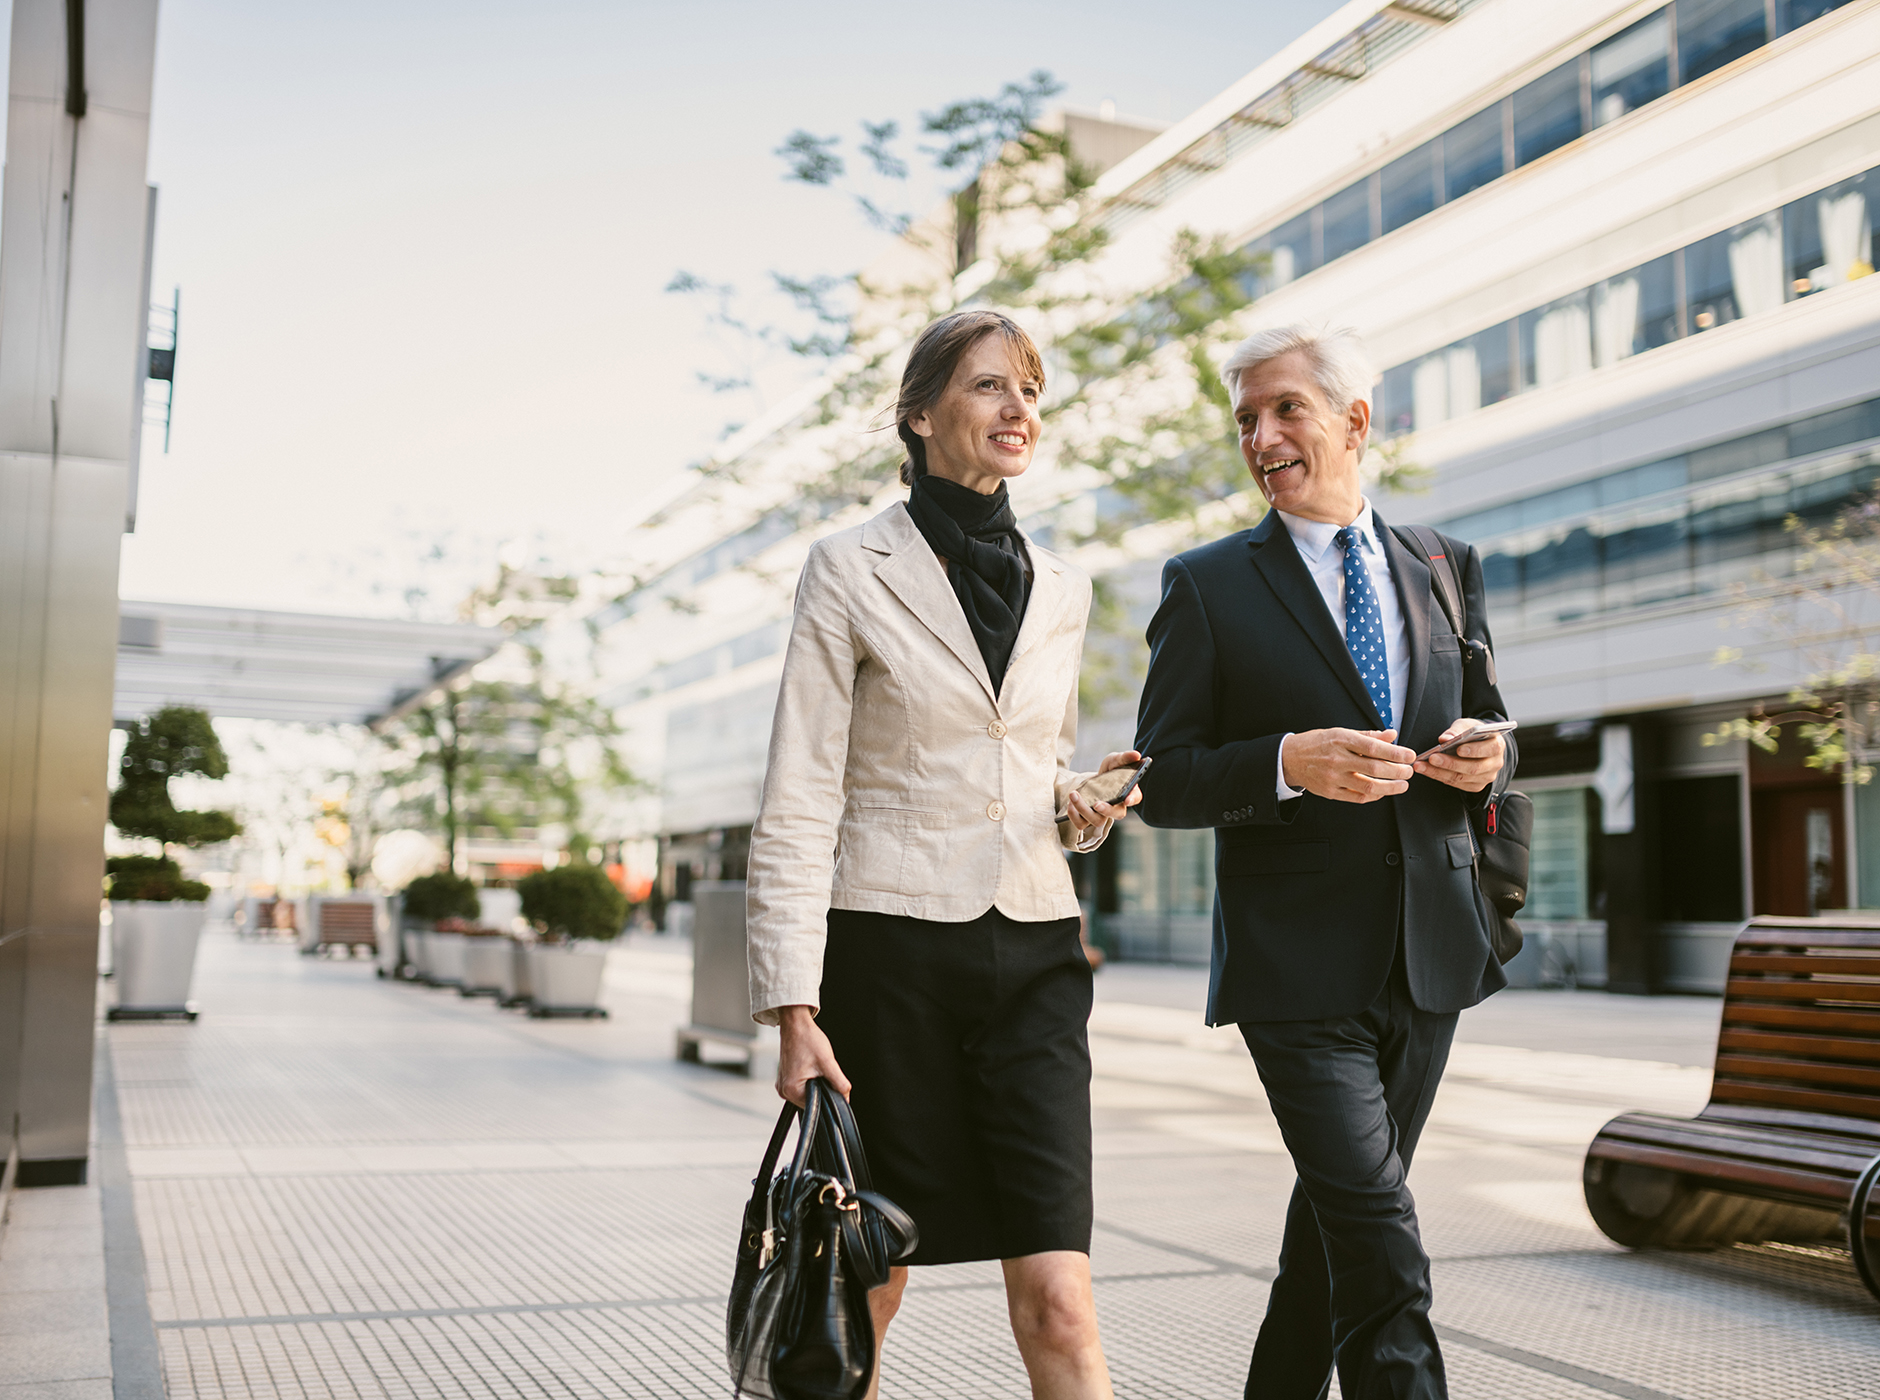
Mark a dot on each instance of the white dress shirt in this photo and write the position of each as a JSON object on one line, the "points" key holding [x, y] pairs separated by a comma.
{"points": [[1316, 541]]}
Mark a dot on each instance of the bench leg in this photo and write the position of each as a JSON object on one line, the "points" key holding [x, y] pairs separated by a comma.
{"points": [[1866, 1257]]}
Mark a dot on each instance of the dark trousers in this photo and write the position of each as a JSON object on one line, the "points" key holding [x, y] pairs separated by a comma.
{"points": [[1351, 1095]]}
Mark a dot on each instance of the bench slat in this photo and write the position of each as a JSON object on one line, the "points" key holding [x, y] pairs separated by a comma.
{"points": [[1845, 1020], [1696, 1136], [1813, 964], [1824, 1100], [1712, 1170], [1858, 1131], [1802, 1072], [1828, 989], [1825, 1047]]}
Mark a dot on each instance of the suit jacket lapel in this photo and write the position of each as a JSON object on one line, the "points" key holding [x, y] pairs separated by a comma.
{"points": [[1278, 561], [913, 573], [1412, 579], [1047, 596]]}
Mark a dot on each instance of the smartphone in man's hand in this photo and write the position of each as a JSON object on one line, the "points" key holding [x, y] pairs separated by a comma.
{"points": [[1469, 736]]}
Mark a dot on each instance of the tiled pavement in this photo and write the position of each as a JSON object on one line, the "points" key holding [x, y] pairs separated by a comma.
{"points": [[349, 1188]]}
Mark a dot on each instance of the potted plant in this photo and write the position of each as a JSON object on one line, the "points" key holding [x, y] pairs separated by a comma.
{"points": [[577, 911], [437, 908], [485, 962], [156, 913]]}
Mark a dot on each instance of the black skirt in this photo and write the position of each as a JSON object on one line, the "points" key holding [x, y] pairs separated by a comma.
{"points": [[968, 1048]]}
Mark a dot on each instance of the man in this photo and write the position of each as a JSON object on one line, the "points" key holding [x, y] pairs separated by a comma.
{"points": [[1286, 662]]}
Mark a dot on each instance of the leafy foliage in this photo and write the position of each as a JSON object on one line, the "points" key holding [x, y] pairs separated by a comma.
{"points": [[157, 879], [175, 740], [1828, 609], [442, 895], [514, 748], [573, 901]]}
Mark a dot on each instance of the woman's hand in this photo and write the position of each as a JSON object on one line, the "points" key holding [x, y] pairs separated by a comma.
{"points": [[1084, 815], [806, 1054]]}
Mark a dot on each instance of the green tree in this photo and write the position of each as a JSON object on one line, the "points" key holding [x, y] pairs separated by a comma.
{"points": [[1827, 610], [573, 901], [516, 746], [173, 742]]}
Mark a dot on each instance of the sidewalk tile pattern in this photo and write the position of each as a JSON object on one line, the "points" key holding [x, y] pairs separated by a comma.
{"points": [[350, 1189]]}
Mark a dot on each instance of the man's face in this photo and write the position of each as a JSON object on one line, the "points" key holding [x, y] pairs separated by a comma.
{"points": [[1303, 455]]}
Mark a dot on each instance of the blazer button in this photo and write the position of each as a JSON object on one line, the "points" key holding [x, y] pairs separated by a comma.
{"points": [[996, 729], [1391, 859], [996, 810]]}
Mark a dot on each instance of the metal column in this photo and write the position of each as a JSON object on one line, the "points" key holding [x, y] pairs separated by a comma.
{"points": [[73, 233]]}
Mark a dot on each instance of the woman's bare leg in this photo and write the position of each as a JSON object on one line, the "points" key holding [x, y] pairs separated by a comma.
{"points": [[1054, 1319], [883, 1303]]}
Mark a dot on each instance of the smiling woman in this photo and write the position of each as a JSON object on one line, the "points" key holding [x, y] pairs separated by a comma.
{"points": [[912, 928]]}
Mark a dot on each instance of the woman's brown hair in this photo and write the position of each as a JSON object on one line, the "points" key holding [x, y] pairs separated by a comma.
{"points": [[930, 365]]}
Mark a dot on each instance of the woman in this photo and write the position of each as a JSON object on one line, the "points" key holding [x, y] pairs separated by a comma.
{"points": [[912, 926]]}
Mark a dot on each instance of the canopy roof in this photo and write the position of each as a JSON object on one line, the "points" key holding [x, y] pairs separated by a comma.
{"points": [[249, 664]]}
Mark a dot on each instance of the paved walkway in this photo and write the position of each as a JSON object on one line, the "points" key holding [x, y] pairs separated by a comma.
{"points": [[350, 1188]]}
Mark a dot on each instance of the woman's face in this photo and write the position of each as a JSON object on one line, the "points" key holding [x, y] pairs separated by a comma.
{"points": [[986, 425]]}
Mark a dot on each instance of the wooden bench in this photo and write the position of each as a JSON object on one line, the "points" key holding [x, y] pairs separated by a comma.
{"points": [[1792, 1130], [340, 922]]}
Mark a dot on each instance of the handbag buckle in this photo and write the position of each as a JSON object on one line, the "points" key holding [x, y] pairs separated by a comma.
{"points": [[769, 1247], [842, 1201]]}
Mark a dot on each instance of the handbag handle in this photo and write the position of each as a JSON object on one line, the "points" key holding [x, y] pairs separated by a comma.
{"points": [[845, 1140]]}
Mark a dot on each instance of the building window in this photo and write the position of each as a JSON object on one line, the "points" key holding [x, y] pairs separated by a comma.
{"points": [[1632, 68], [1289, 248], [1472, 153], [1558, 855], [1793, 14], [1734, 274], [1712, 33], [1410, 186], [1348, 220], [1547, 113], [1828, 237], [1701, 845], [1557, 342]]}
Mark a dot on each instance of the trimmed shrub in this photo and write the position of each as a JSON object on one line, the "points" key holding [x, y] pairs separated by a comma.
{"points": [[573, 901], [155, 878], [442, 896]]}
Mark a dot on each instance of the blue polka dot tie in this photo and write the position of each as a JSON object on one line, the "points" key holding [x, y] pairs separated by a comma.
{"points": [[1364, 624]]}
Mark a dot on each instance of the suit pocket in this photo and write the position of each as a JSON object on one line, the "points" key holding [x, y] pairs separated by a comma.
{"points": [[1289, 858], [1444, 641], [1461, 851]]}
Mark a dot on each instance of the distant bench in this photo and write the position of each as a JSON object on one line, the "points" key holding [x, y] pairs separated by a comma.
{"points": [[1791, 1134], [342, 921]]}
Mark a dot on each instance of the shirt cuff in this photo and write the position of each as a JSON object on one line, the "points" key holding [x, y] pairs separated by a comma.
{"points": [[1285, 793]]}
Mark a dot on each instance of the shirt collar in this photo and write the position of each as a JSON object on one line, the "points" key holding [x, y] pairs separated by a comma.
{"points": [[1313, 537]]}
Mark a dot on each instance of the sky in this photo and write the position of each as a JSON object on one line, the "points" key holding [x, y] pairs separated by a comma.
{"points": [[422, 251]]}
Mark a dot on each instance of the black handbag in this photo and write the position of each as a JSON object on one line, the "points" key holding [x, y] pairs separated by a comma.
{"points": [[1503, 826], [816, 1239]]}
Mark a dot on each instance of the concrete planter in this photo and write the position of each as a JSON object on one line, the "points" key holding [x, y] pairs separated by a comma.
{"points": [[153, 949], [566, 978], [486, 961], [418, 950], [447, 959], [516, 983]]}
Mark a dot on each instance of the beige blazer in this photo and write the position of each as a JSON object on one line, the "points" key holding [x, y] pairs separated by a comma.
{"points": [[897, 783]]}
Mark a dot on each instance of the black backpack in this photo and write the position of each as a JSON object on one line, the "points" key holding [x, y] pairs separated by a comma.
{"points": [[1504, 825]]}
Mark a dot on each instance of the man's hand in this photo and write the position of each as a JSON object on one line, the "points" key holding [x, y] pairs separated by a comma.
{"points": [[1471, 767], [1347, 765], [806, 1054], [1084, 815]]}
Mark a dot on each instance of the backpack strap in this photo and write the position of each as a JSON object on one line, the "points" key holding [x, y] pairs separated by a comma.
{"points": [[1430, 547], [1433, 550]]}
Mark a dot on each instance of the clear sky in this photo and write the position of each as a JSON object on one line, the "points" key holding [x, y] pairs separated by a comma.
{"points": [[422, 250]]}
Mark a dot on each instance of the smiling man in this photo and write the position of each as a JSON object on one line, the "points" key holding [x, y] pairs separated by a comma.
{"points": [[1286, 664]]}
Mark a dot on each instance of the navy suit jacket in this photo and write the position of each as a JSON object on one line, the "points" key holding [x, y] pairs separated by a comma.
{"points": [[1309, 893]]}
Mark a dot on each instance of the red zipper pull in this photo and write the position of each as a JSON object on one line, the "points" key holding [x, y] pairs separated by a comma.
{"points": [[1493, 803]]}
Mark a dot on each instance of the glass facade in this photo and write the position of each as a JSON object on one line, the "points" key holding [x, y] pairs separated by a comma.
{"points": [[1159, 871], [1558, 855], [1821, 241], [1617, 76]]}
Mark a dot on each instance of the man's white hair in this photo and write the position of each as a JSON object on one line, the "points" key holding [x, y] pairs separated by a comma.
{"points": [[1340, 366]]}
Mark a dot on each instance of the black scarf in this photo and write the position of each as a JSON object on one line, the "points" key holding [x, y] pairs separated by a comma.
{"points": [[978, 537]]}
